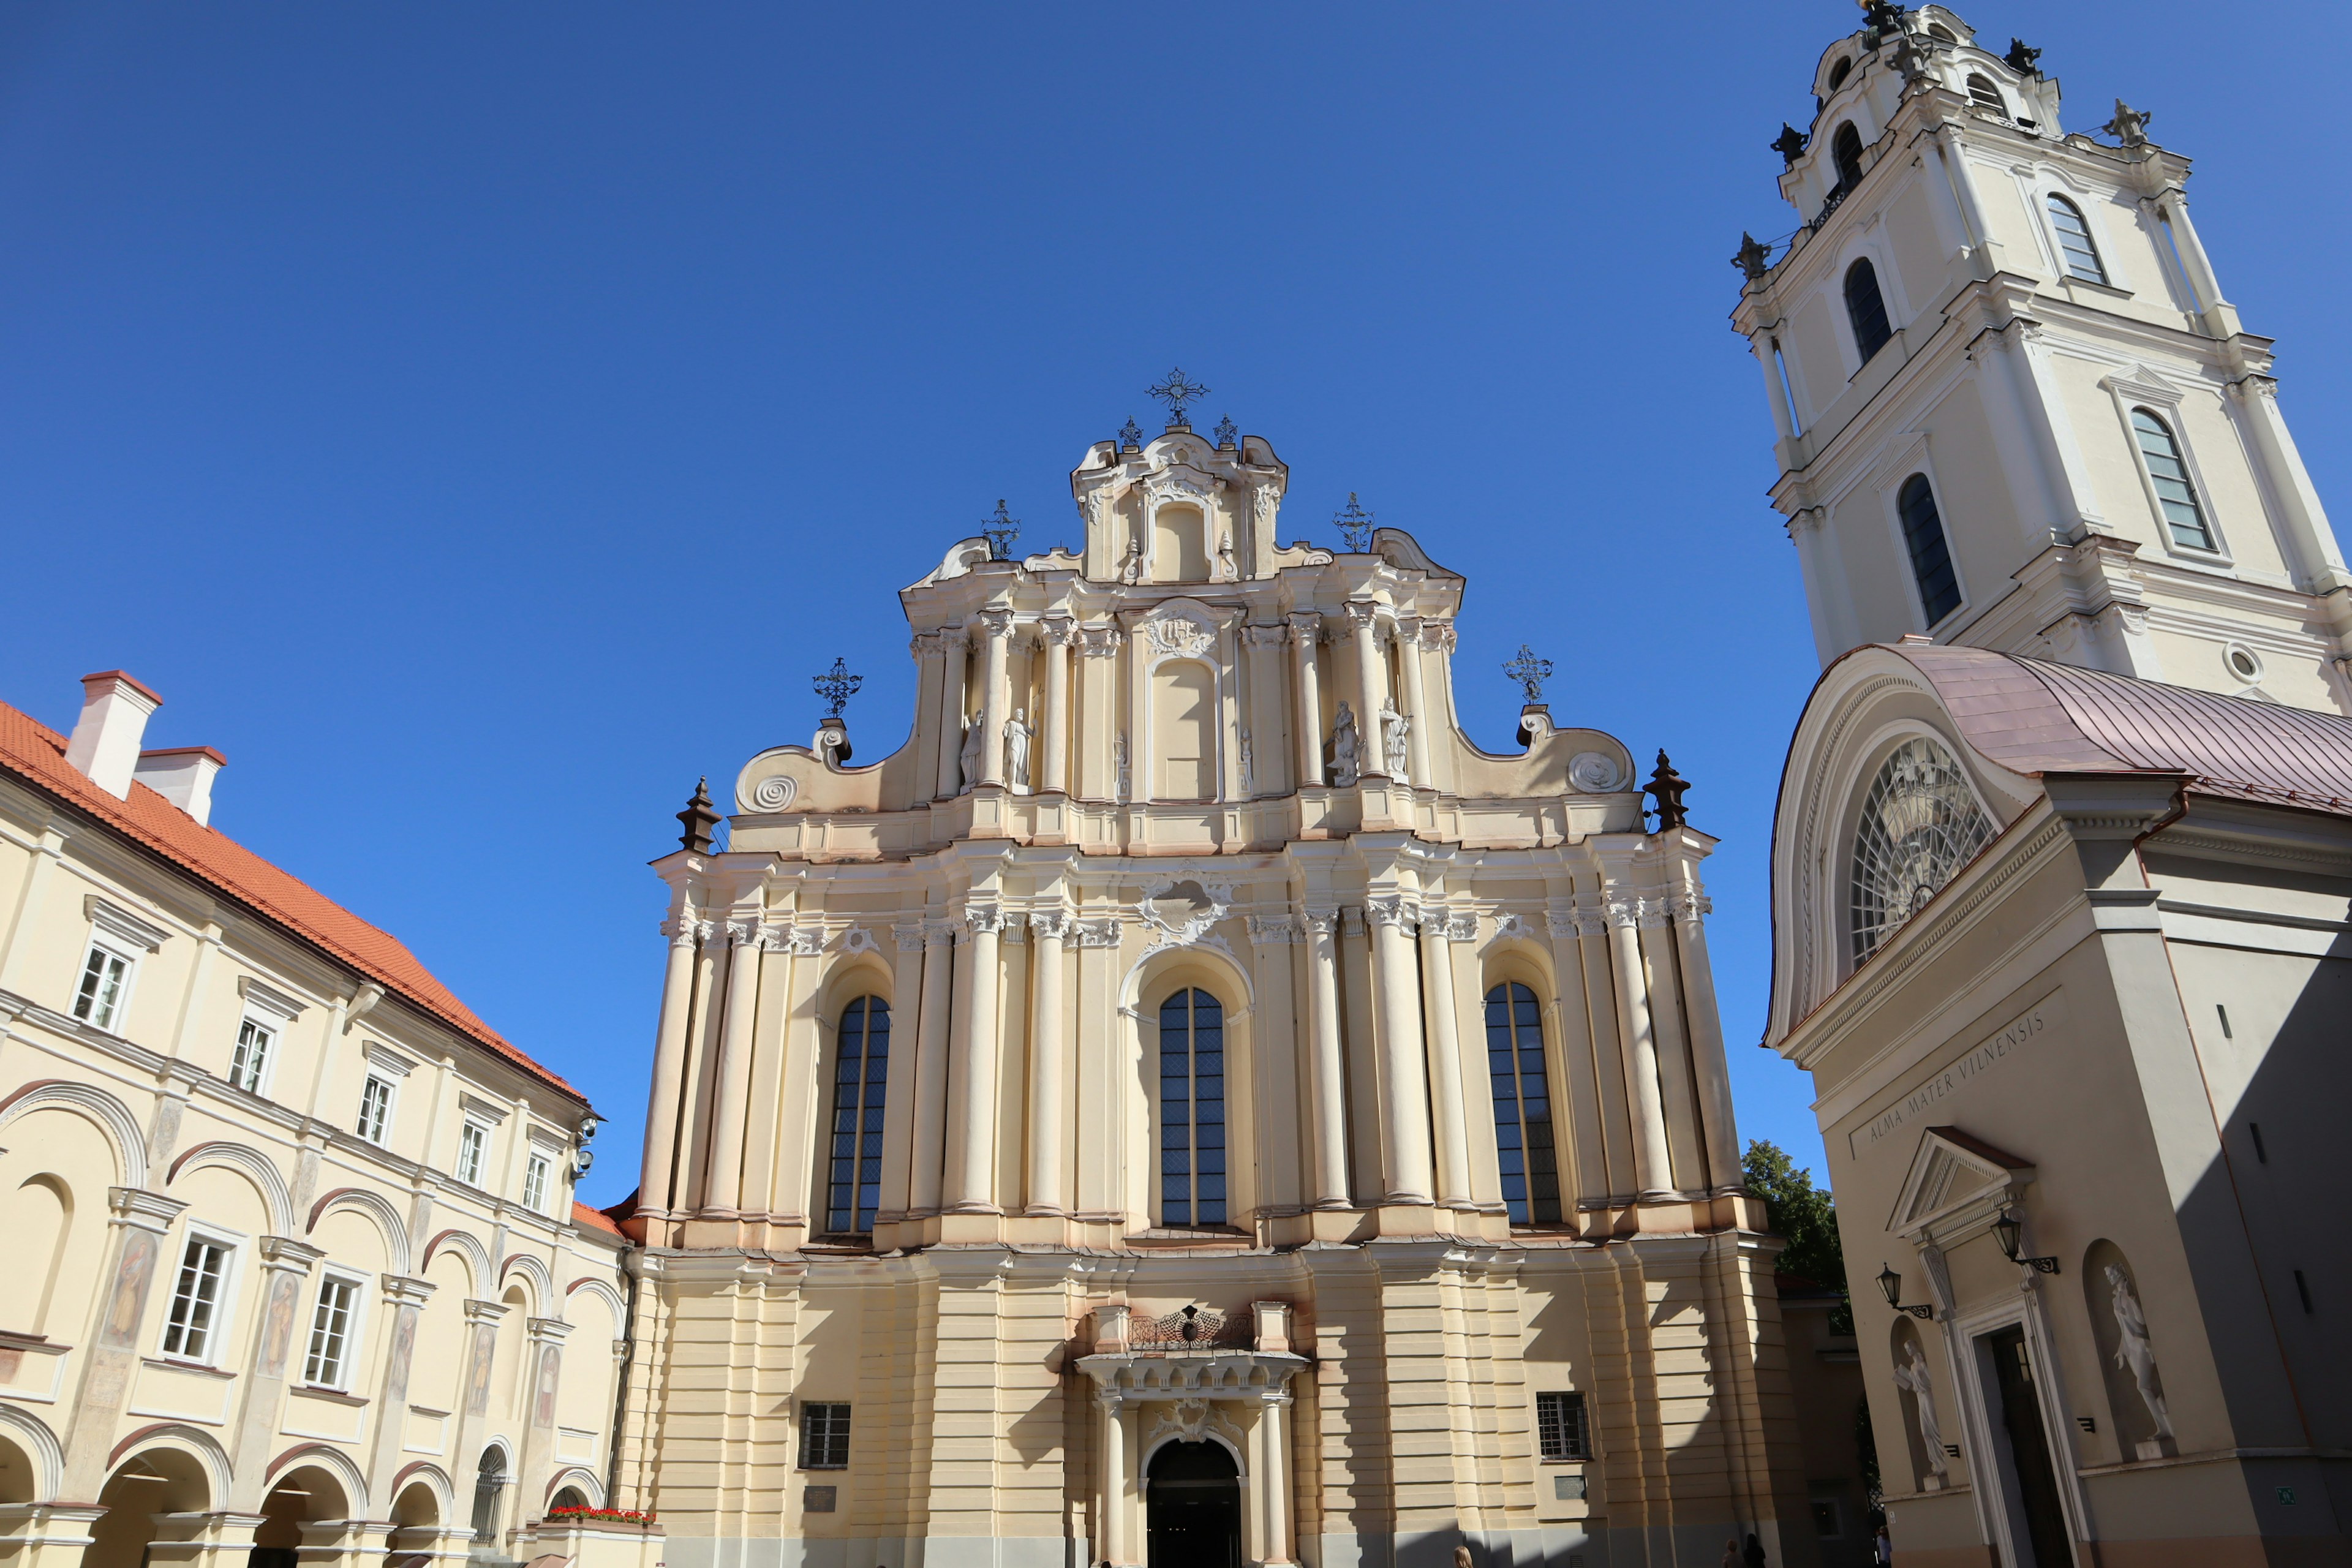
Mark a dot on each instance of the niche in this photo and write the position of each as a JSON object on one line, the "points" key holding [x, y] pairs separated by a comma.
{"points": [[2135, 1388], [1183, 711], [1179, 545]]}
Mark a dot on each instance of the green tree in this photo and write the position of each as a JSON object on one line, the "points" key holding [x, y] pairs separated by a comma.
{"points": [[1800, 1212]]}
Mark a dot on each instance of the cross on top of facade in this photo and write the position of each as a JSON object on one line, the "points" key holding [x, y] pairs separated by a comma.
{"points": [[1176, 391], [1530, 672], [1354, 523], [1000, 532], [837, 686]]}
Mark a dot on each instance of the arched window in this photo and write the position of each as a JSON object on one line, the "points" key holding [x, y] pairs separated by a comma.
{"points": [[490, 1480], [1192, 1109], [1839, 72], [854, 1179], [2182, 513], [1984, 95], [1846, 150], [1523, 1140], [1931, 558], [1941, 34], [1866, 309], [1919, 826], [2075, 240]]}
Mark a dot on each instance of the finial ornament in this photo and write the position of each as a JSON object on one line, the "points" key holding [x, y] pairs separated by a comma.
{"points": [[2129, 126], [1354, 523], [1176, 391], [1790, 143], [836, 686], [1130, 437], [1226, 431], [1667, 787], [2021, 59], [1530, 672], [700, 817], [1000, 532], [1754, 259], [1883, 16]]}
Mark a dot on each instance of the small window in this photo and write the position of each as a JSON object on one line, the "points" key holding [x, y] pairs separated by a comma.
{"points": [[1846, 151], [534, 1183], [1865, 307], [196, 1300], [1559, 1426], [105, 985], [1931, 558], [2074, 241], [1523, 1137], [1984, 95], [2174, 492], [329, 1363], [251, 1059], [1839, 72], [1943, 35], [375, 1109], [860, 1079], [824, 1436], [473, 1147], [1829, 1523]]}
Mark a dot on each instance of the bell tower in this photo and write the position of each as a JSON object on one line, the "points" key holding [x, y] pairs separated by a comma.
{"points": [[2014, 409]]}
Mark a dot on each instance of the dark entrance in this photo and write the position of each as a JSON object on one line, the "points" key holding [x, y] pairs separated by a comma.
{"points": [[1193, 1508], [2033, 1484]]}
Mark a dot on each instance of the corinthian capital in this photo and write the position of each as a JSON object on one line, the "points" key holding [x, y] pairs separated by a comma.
{"points": [[1392, 913], [1059, 630], [1305, 627], [1361, 613], [997, 623], [1689, 905]]}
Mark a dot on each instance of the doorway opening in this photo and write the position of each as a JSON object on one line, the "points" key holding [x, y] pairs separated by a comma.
{"points": [[2037, 1520], [1193, 1508]]}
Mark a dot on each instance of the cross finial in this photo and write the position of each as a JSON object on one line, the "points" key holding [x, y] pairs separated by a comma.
{"points": [[1530, 672], [836, 686], [1226, 431], [1354, 523], [1176, 391], [1000, 532], [1130, 436]]}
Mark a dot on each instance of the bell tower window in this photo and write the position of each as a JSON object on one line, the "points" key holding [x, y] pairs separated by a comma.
{"points": [[2074, 241], [2174, 491], [1931, 557], [1984, 95], [1839, 72], [1865, 307], [1846, 151]]}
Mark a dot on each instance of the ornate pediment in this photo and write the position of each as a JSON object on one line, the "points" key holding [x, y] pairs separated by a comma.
{"points": [[1957, 1183]]}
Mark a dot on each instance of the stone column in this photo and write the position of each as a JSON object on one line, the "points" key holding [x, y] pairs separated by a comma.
{"points": [[1097, 713], [995, 695], [1117, 1454], [406, 1298], [1268, 767], [2221, 317], [906, 1076], [1590, 1171], [932, 1049], [1055, 779], [1437, 936], [135, 1254], [684, 934], [1138, 717], [1307, 714], [1327, 1170], [474, 1395], [1652, 1165], [1372, 685], [1416, 701], [1049, 1113], [1676, 1093], [723, 1185], [1775, 395], [1274, 1478], [1725, 1171], [285, 1269], [954, 646], [973, 1071], [1404, 1076]]}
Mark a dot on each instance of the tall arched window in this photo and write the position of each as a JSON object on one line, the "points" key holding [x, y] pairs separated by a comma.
{"points": [[2075, 240], [1523, 1140], [1984, 95], [1866, 309], [2183, 514], [1846, 151], [863, 1071], [490, 1480], [1192, 1109], [1931, 558]]}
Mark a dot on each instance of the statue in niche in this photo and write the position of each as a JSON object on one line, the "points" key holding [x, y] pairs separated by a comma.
{"points": [[1016, 749], [968, 760], [2134, 1351], [1394, 728], [1249, 771], [1119, 768], [1345, 766], [1226, 556], [1130, 566], [1915, 1378]]}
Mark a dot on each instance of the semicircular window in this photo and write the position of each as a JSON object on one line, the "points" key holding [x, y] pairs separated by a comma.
{"points": [[1919, 826]]}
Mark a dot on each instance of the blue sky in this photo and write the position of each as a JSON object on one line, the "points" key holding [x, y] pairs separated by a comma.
{"points": [[480, 421]]}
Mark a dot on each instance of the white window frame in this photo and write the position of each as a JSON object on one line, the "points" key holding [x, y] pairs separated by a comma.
{"points": [[1888, 478], [1888, 296], [354, 1319], [538, 1167], [121, 952], [2166, 402], [244, 1073], [479, 1149], [380, 1132], [223, 1315]]}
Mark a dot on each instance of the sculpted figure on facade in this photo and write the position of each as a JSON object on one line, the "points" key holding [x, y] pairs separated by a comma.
{"points": [[1394, 728], [1016, 748], [967, 760], [1119, 772], [1345, 763], [2133, 1350], [1225, 557], [1249, 771], [1913, 1374]]}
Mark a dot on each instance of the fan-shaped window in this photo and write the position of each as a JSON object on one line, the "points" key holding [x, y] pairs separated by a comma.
{"points": [[2074, 241], [1192, 1109], [2174, 492], [1523, 1138], [1839, 72], [1866, 309], [1984, 95], [1846, 150], [859, 1078], [1931, 558], [1919, 826]]}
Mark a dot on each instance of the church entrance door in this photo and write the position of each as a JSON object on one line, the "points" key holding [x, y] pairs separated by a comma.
{"points": [[2033, 1485], [1193, 1508]]}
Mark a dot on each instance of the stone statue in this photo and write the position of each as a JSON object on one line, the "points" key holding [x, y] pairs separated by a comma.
{"points": [[1131, 568], [968, 762], [1394, 728], [2135, 1351], [1345, 767], [1249, 772], [1226, 556], [1915, 1378], [1119, 768], [1016, 749]]}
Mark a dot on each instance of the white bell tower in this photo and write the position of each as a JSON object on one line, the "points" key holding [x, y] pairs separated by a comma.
{"points": [[2014, 409]]}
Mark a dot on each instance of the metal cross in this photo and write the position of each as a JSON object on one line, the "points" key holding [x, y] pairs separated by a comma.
{"points": [[1530, 672], [1000, 532], [1176, 391], [1226, 431], [1355, 524], [1131, 439], [836, 686]]}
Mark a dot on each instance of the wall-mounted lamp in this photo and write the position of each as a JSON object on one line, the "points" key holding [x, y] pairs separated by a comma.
{"points": [[1890, 1285], [2009, 1231]]}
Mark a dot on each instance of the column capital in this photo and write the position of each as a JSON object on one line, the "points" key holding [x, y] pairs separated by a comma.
{"points": [[1362, 613], [1392, 912], [1058, 631], [1437, 636], [405, 1290], [997, 623], [923, 643], [1051, 925], [981, 920], [1306, 626], [1688, 907], [1319, 922], [1097, 642], [480, 1311], [142, 1210], [684, 931], [1269, 931], [288, 1256], [1258, 635], [1409, 628], [908, 935], [952, 638], [546, 1330]]}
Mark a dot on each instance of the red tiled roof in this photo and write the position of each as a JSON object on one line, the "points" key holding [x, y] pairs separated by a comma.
{"points": [[594, 1219], [36, 753]]}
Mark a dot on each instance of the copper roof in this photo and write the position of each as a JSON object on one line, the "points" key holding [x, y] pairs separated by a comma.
{"points": [[36, 753], [2034, 717]]}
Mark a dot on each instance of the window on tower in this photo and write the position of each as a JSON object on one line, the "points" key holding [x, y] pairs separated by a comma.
{"points": [[860, 1075], [1523, 1138], [1984, 95], [1192, 1109], [2074, 243], [1865, 307], [2176, 493], [1931, 558], [1839, 72], [1846, 151]]}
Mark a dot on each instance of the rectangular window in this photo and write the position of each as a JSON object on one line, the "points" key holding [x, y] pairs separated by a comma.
{"points": [[1559, 1426], [196, 1299], [105, 977], [329, 1366], [473, 1144], [824, 1436], [375, 1109], [254, 1041], [534, 1183]]}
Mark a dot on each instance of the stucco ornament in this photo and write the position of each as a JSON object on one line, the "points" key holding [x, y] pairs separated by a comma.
{"points": [[1344, 760], [1919, 826], [1184, 912], [774, 793], [1394, 728], [1595, 773], [2133, 1349], [967, 760], [1913, 1375], [1178, 636], [1016, 748]]}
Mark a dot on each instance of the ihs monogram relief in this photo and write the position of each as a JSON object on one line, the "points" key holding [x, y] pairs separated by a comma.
{"points": [[1178, 636]]}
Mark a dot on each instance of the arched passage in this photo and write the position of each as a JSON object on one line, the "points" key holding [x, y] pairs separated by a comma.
{"points": [[1193, 1507], [150, 1482], [306, 1494]]}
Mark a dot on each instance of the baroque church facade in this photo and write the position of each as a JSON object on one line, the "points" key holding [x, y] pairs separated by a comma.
{"points": [[1189, 1103], [2062, 859]]}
